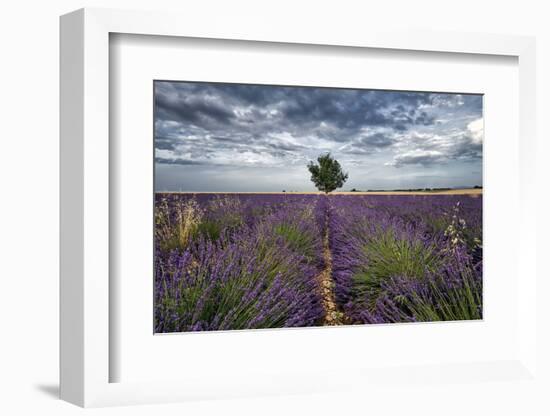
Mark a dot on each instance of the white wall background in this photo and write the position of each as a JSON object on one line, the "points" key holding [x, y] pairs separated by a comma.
{"points": [[29, 205]]}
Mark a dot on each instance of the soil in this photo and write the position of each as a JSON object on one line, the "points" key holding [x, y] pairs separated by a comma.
{"points": [[333, 315]]}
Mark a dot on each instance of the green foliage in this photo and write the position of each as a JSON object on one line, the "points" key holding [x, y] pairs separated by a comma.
{"points": [[209, 229], [436, 224], [458, 303], [225, 298], [388, 256], [223, 214], [327, 174], [297, 240]]}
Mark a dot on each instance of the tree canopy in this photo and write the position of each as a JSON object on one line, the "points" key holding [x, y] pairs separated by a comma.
{"points": [[327, 174]]}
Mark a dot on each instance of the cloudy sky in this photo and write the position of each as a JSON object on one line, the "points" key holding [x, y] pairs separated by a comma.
{"points": [[236, 137]]}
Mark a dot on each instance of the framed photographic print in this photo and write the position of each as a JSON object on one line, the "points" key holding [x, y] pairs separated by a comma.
{"points": [[252, 229], [248, 215]]}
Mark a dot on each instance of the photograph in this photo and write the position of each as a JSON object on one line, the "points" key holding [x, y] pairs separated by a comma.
{"points": [[279, 206]]}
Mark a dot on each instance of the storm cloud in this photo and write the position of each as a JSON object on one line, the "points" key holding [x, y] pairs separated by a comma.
{"points": [[233, 135]]}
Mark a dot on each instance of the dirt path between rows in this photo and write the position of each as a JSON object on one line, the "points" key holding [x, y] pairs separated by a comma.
{"points": [[333, 315]]}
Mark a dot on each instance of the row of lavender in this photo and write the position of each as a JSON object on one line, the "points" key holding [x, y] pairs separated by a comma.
{"points": [[237, 261], [407, 258]]}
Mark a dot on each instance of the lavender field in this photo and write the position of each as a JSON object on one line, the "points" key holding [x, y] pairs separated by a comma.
{"points": [[245, 261]]}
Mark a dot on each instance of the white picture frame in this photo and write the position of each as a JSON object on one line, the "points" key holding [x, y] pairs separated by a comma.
{"points": [[85, 355]]}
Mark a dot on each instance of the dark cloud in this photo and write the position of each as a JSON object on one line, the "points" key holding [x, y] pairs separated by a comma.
{"points": [[284, 146], [165, 143], [351, 110], [199, 109], [430, 149], [377, 140], [466, 148], [226, 109], [166, 161], [419, 157], [370, 143], [424, 119]]}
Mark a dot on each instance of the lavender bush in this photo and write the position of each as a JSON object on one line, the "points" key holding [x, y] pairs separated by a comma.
{"points": [[257, 270], [407, 258], [227, 261]]}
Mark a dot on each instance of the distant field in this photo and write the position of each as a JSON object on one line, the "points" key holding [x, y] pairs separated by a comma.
{"points": [[466, 191], [446, 192]]}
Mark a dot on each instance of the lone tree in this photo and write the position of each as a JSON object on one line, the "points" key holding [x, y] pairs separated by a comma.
{"points": [[327, 174]]}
